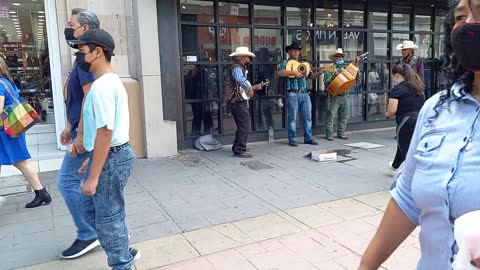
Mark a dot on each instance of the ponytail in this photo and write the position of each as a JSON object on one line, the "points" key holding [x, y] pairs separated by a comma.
{"points": [[411, 78]]}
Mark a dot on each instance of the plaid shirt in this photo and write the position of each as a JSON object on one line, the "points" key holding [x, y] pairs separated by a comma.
{"points": [[294, 83], [330, 75]]}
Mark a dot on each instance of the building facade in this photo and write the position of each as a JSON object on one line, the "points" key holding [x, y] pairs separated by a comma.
{"points": [[173, 55], [210, 31]]}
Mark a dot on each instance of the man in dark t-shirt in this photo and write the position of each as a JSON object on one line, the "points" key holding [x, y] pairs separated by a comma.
{"points": [[69, 180]]}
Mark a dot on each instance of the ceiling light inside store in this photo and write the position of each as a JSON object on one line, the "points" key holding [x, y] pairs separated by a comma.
{"points": [[16, 4], [41, 16], [13, 12], [41, 12]]}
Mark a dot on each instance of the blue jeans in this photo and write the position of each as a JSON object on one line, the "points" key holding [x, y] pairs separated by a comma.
{"points": [[107, 208], [294, 102], [68, 183]]}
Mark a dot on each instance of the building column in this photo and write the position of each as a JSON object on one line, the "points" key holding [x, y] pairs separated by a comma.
{"points": [[160, 134]]}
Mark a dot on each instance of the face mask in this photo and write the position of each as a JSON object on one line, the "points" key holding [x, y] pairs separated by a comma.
{"points": [[68, 32], [339, 62], [466, 45], [81, 63]]}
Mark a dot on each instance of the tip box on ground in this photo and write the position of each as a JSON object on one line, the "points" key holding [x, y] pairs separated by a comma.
{"points": [[324, 155]]}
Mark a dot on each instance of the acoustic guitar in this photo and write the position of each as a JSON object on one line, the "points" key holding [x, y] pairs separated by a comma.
{"points": [[346, 79], [304, 67], [243, 92]]}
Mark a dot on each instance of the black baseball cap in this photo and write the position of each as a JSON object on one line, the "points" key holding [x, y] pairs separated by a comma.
{"points": [[94, 36]]}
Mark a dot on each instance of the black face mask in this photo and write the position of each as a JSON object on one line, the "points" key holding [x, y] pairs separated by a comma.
{"points": [[466, 45], [68, 32], [81, 63]]}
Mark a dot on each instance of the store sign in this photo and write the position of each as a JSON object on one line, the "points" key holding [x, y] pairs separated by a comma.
{"points": [[326, 35], [4, 8]]}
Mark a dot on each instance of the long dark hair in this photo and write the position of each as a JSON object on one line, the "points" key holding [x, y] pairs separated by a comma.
{"points": [[454, 71], [411, 78]]}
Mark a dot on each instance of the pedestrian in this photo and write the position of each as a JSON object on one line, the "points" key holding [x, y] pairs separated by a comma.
{"points": [[76, 87], [13, 151], [236, 78], [106, 135], [297, 96], [404, 101], [338, 105], [416, 62], [440, 181]]}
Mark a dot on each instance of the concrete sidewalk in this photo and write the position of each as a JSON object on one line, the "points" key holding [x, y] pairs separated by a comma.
{"points": [[198, 190], [325, 236]]}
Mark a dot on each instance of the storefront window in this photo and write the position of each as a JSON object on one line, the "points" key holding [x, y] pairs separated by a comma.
{"points": [[353, 43], [233, 13], [299, 16], [304, 37], [199, 42], [202, 118], [197, 11], [233, 38], [23, 46], [439, 45], [268, 45], [270, 15], [200, 82], [378, 20], [439, 21], [268, 102], [398, 39], [401, 19], [327, 17], [423, 23], [424, 43], [378, 43], [326, 42], [353, 18]]}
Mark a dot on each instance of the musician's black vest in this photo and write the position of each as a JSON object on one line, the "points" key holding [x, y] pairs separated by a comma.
{"points": [[232, 84]]}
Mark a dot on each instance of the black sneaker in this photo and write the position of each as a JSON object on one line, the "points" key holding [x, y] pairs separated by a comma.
{"points": [[311, 142], [80, 247], [292, 143]]}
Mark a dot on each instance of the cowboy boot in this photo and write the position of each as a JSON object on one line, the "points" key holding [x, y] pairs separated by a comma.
{"points": [[41, 196]]}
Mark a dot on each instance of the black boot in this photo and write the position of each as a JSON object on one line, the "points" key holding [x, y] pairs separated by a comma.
{"points": [[41, 196]]}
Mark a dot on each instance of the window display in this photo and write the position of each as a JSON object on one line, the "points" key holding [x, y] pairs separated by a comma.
{"points": [[23, 46]]}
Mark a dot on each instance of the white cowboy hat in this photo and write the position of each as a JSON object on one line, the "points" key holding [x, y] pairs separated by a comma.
{"points": [[242, 51], [407, 44], [337, 52]]}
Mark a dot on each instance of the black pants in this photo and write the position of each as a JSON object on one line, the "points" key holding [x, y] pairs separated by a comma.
{"points": [[200, 113], [405, 128], [242, 120]]}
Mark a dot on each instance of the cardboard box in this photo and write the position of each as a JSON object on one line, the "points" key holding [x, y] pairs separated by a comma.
{"points": [[324, 155]]}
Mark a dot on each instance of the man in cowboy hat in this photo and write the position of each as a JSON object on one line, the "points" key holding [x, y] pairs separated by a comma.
{"points": [[298, 97], [416, 62], [338, 104], [236, 78]]}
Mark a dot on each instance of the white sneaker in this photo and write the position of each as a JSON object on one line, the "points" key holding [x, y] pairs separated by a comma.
{"points": [[2, 201], [392, 170]]}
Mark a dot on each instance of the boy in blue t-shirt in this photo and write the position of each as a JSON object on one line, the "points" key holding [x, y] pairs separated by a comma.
{"points": [[106, 133]]}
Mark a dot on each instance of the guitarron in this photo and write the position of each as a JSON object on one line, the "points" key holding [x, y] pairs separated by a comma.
{"points": [[345, 80]]}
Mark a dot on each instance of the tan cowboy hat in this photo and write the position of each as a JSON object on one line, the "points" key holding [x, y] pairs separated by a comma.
{"points": [[337, 52], [407, 44], [242, 51]]}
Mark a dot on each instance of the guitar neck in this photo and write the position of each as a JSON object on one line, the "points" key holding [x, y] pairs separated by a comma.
{"points": [[258, 86]]}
